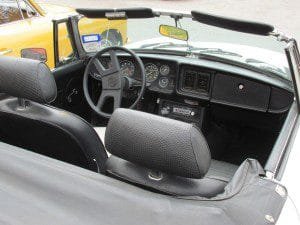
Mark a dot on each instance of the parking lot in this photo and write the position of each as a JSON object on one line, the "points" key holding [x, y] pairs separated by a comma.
{"points": [[284, 14]]}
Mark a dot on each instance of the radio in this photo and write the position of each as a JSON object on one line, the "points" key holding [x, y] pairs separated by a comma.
{"points": [[181, 111]]}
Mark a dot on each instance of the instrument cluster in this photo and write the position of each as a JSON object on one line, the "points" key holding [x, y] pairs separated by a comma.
{"points": [[160, 75], [153, 70]]}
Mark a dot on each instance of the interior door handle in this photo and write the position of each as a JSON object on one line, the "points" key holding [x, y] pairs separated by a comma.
{"points": [[73, 92], [5, 51]]}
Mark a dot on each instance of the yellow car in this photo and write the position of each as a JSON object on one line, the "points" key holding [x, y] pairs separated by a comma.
{"points": [[26, 30]]}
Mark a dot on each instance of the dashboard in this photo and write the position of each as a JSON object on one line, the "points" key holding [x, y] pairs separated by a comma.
{"points": [[204, 80]]}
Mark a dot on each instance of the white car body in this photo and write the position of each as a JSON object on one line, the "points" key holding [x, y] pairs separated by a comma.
{"points": [[290, 212], [247, 52]]}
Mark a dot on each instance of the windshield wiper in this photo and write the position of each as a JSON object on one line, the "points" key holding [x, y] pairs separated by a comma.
{"points": [[163, 45], [264, 65], [190, 48], [217, 51]]}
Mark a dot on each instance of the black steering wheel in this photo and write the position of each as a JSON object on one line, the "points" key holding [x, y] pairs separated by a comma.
{"points": [[111, 78]]}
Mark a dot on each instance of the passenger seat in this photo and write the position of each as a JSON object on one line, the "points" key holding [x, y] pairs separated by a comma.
{"points": [[163, 155]]}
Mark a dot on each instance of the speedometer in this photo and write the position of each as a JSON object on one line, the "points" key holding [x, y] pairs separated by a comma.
{"points": [[127, 68], [152, 72]]}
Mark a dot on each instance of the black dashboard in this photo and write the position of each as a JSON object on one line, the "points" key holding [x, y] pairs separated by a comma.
{"points": [[195, 81], [239, 110], [207, 81]]}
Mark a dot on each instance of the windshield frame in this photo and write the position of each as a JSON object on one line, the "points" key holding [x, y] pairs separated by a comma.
{"points": [[176, 15]]}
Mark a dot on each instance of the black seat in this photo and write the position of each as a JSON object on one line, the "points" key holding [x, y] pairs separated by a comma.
{"points": [[28, 123], [164, 155]]}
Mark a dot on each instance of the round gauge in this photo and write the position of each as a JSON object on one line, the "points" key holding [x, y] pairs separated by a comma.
{"points": [[163, 82], [152, 72], [164, 70], [127, 68]]}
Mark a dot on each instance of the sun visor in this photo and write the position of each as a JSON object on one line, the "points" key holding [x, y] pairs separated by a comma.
{"points": [[133, 13], [233, 24]]}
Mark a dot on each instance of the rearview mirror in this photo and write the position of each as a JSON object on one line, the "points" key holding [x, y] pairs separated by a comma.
{"points": [[173, 32], [34, 53]]}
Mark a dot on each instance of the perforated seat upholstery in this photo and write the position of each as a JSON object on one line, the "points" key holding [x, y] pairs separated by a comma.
{"points": [[219, 170], [41, 128], [135, 159]]}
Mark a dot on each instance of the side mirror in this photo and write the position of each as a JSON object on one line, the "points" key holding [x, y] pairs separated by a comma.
{"points": [[34, 53], [173, 32]]}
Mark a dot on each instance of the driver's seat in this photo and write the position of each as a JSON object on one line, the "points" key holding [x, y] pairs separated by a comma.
{"points": [[28, 123]]}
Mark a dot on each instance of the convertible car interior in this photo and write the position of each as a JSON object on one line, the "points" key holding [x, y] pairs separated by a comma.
{"points": [[194, 126], [174, 125], [171, 127]]}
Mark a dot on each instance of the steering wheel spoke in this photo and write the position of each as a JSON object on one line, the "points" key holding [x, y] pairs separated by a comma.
{"points": [[116, 95], [99, 67], [114, 60], [114, 68]]}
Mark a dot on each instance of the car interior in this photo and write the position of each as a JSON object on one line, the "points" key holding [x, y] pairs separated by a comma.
{"points": [[169, 124]]}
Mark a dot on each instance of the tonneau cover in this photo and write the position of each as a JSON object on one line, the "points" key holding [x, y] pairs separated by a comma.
{"points": [[38, 190]]}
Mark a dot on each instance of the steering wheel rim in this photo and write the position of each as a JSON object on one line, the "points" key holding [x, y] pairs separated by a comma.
{"points": [[111, 80]]}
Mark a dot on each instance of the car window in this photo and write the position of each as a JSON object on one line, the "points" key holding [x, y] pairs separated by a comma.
{"points": [[27, 10], [65, 48], [9, 11], [99, 33]]}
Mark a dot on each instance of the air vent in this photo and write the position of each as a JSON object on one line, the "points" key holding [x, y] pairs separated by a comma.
{"points": [[189, 78], [195, 81], [202, 84]]}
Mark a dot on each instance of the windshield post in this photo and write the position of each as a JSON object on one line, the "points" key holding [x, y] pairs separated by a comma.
{"points": [[77, 40], [293, 56]]}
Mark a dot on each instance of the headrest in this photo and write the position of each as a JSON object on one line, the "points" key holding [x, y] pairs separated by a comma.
{"points": [[158, 143], [28, 79]]}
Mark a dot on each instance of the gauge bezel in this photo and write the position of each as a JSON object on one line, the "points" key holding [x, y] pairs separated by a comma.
{"points": [[156, 71], [164, 73], [159, 82]]}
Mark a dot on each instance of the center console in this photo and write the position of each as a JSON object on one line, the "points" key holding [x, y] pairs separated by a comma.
{"points": [[190, 113]]}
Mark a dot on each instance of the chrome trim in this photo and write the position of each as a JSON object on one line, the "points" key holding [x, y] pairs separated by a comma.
{"points": [[155, 175], [172, 13], [281, 36], [293, 57], [280, 147], [6, 51]]}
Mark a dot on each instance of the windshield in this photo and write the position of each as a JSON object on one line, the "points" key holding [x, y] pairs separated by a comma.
{"points": [[263, 52]]}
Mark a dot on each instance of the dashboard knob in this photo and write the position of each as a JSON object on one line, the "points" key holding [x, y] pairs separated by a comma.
{"points": [[241, 86]]}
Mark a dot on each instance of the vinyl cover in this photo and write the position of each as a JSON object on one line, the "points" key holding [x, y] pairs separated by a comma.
{"points": [[38, 190]]}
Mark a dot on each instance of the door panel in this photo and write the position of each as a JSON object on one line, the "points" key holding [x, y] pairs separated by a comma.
{"points": [[70, 96]]}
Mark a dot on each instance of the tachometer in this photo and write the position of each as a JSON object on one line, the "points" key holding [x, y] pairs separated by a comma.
{"points": [[152, 72], [127, 68]]}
